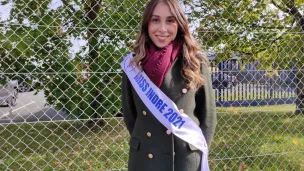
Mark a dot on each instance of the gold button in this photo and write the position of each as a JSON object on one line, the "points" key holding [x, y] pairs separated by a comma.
{"points": [[181, 111], [149, 134], [184, 90], [144, 113], [168, 132], [150, 156]]}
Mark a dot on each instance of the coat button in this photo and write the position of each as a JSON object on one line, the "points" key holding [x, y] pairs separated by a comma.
{"points": [[168, 132], [184, 90], [149, 134], [144, 113], [181, 111], [150, 156]]}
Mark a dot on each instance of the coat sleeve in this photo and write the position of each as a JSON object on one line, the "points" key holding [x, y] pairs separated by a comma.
{"points": [[205, 109], [128, 105]]}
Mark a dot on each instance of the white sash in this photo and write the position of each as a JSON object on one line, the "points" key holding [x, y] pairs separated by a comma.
{"points": [[165, 110]]}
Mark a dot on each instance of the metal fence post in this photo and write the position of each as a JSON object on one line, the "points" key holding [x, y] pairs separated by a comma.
{"points": [[10, 98]]}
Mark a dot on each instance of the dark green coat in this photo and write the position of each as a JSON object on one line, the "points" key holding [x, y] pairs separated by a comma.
{"points": [[152, 148]]}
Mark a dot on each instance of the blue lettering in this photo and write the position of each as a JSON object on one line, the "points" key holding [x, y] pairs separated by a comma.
{"points": [[145, 87], [163, 107], [155, 99], [159, 103], [139, 81], [148, 91], [141, 85], [137, 77], [151, 94]]}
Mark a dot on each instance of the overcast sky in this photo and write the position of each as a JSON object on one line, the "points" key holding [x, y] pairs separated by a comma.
{"points": [[5, 11]]}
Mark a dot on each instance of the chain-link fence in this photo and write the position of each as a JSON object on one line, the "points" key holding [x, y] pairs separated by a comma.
{"points": [[60, 82]]}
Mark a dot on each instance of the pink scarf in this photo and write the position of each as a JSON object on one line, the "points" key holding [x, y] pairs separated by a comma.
{"points": [[158, 61]]}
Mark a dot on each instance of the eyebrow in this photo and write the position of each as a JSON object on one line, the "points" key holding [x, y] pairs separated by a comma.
{"points": [[159, 16]]}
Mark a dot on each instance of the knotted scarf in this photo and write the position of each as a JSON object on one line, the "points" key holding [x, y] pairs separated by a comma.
{"points": [[158, 61]]}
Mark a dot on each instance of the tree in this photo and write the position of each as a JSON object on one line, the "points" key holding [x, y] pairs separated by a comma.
{"points": [[84, 83], [269, 31]]}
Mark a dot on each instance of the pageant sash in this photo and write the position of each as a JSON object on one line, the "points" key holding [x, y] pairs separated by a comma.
{"points": [[165, 110]]}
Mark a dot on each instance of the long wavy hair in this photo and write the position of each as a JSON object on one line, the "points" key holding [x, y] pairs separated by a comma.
{"points": [[193, 57]]}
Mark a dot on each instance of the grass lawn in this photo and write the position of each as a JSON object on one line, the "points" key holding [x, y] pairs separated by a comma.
{"points": [[249, 138], [258, 138]]}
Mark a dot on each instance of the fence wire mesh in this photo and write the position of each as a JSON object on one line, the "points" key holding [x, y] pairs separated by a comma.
{"points": [[60, 82]]}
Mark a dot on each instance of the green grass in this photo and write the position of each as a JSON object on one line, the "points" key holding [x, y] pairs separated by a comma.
{"points": [[259, 138], [256, 138], [63, 146]]}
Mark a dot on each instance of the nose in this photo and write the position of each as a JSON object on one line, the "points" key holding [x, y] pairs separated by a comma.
{"points": [[162, 27]]}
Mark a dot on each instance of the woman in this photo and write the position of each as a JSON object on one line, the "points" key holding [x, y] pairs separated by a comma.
{"points": [[172, 60]]}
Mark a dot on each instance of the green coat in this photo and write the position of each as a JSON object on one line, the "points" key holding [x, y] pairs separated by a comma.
{"points": [[152, 146]]}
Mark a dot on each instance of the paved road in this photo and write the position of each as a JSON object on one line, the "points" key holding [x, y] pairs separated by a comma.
{"points": [[30, 108]]}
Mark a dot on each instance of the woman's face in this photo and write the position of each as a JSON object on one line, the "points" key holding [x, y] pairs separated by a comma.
{"points": [[162, 26]]}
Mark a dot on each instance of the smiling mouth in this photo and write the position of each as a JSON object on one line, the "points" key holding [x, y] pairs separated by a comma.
{"points": [[162, 37]]}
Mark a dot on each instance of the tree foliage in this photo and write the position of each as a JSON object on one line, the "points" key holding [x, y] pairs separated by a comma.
{"points": [[42, 38], [74, 47], [269, 31], [254, 30]]}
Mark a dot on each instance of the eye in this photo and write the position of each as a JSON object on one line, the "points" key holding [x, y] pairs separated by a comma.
{"points": [[154, 20], [171, 20]]}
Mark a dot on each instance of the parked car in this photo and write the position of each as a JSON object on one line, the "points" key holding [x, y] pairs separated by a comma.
{"points": [[25, 86], [222, 80], [28, 83], [6, 91]]}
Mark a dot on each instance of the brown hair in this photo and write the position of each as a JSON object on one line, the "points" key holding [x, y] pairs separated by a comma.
{"points": [[192, 55]]}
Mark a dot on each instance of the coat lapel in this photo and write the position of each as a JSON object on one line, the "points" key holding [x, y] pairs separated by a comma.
{"points": [[174, 82]]}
